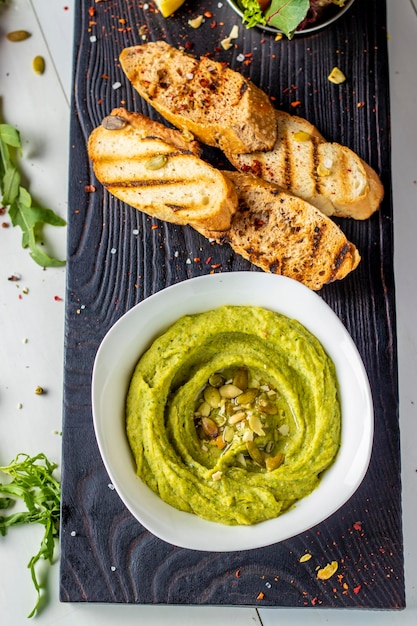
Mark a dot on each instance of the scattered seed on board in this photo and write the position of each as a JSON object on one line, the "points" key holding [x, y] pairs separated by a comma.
{"points": [[38, 65], [18, 35]]}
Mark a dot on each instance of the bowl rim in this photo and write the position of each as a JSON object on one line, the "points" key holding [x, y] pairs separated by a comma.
{"points": [[298, 33], [117, 355]]}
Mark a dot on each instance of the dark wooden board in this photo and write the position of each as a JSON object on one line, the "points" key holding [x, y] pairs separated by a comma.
{"points": [[117, 257]]}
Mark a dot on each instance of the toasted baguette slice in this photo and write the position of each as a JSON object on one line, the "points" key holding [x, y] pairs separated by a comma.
{"points": [[155, 170], [328, 175], [283, 234], [218, 105]]}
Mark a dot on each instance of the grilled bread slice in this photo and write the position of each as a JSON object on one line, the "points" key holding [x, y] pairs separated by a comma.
{"points": [[218, 105], [156, 170], [283, 234], [328, 175]]}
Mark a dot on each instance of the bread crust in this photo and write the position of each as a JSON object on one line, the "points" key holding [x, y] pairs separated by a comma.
{"points": [[215, 103], [283, 234], [328, 175]]}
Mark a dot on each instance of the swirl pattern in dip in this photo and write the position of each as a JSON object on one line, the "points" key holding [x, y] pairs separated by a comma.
{"points": [[204, 451]]}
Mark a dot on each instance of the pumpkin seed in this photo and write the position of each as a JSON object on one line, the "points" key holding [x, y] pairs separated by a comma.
{"points": [[209, 427], [254, 453], [267, 407], [113, 122], [204, 409], [18, 35], [247, 396], [256, 425], [230, 391], [38, 65], [212, 396], [216, 380], [273, 462], [156, 162], [241, 378]]}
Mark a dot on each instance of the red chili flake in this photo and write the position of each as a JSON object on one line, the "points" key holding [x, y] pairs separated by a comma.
{"points": [[360, 105], [105, 76], [154, 226], [237, 573], [296, 103], [357, 589], [188, 45], [215, 266], [208, 261], [207, 14], [197, 259], [357, 525], [314, 600], [3, 210], [91, 11], [213, 25], [5, 225], [89, 188], [260, 596], [57, 299]]}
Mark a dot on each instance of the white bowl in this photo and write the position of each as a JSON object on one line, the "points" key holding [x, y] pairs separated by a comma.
{"points": [[334, 14], [131, 336]]}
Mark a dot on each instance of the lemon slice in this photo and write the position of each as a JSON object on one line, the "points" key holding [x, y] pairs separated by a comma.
{"points": [[168, 7]]}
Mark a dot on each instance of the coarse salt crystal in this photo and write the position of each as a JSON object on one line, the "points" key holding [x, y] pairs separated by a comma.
{"points": [[116, 85], [188, 261], [113, 251], [135, 232], [176, 254], [111, 486], [240, 58], [73, 533], [93, 39], [113, 569], [189, 76]]}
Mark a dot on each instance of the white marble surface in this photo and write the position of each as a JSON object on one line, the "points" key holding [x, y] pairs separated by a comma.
{"points": [[39, 107]]}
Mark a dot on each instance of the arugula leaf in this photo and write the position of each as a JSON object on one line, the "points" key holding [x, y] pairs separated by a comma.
{"points": [[22, 212], [34, 483]]}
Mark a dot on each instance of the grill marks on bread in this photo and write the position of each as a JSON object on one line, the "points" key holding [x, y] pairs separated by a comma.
{"points": [[218, 105], [328, 175], [157, 171], [283, 234]]}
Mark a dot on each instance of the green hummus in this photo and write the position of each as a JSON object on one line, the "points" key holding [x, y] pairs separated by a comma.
{"points": [[233, 414]]}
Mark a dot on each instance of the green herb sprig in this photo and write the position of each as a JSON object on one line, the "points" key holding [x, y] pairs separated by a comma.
{"points": [[33, 483], [14, 195]]}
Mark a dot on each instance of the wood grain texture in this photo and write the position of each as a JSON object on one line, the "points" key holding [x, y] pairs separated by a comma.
{"points": [[117, 257]]}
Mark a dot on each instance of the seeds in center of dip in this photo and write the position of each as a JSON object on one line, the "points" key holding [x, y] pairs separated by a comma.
{"points": [[237, 409]]}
